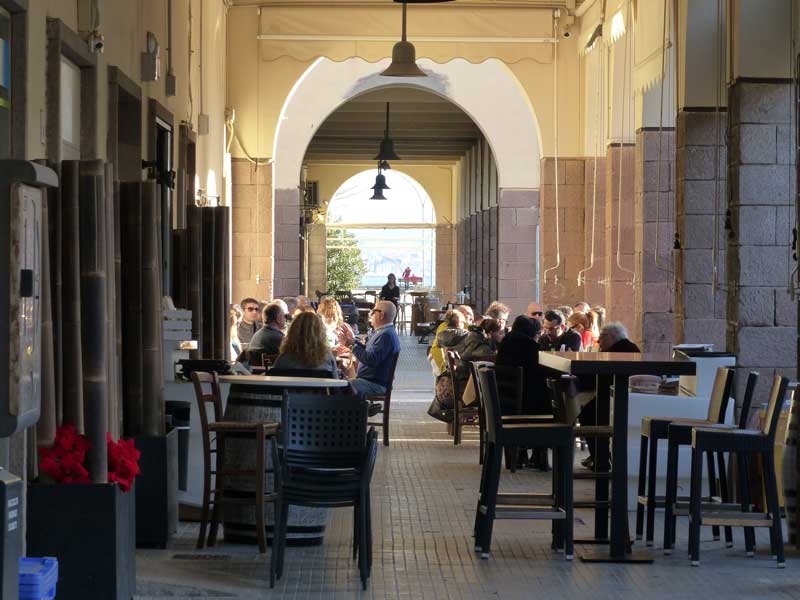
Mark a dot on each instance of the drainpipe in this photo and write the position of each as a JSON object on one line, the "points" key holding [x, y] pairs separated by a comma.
{"points": [[169, 82]]}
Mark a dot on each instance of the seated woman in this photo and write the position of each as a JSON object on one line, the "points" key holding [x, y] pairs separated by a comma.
{"points": [[520, 348], [306, 346], [339, 333], [481, 341]]}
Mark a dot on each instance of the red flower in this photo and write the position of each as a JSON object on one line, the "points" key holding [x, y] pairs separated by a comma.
{"points": [[64, 462]]}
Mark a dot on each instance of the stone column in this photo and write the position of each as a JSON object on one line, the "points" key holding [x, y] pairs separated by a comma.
{"points": [[655, 222], [316, 259], [445, 262], [620, 298], [699, 312], [562, 283], [517, 232], [287, 243], [762, 319], [593, 289], [251, 210]]}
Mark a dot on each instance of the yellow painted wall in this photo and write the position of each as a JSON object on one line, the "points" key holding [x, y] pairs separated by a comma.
{"points": [[258, 94], [124, 25], [436, 180]]}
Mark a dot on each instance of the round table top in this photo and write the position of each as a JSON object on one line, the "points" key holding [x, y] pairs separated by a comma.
{"points": [[281, 381]]}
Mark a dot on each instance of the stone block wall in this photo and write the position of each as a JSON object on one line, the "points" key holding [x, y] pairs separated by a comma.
{"points": [[560, 285], [762, 318], [446, 262], [655, 230], [593, 287], [620, 249], [517, 229], [699, 305], [251, 210]]}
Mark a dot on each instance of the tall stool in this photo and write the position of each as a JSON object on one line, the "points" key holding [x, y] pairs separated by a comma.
{"points": [[214, 435], [655, 429], [746, 444], [492, 505], [679, 433]]}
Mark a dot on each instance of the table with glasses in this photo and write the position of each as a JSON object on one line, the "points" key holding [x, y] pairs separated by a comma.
{"points": [[612, 371], [259, 398]]}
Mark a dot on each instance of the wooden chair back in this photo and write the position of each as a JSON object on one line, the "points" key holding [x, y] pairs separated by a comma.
{"points": [[720, 395], [747, 401], [207, 381], [453, 363], [776, 396], [395, 358]]}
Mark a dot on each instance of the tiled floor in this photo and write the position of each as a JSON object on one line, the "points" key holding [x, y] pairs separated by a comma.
{"points": [[423, 506]]}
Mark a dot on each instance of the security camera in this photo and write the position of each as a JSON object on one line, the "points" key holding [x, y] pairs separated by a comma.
{"points": [[96, 42], [567, 33]]}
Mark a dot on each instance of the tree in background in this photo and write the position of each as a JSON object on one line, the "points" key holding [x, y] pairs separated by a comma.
{"points": [[344, 262]]}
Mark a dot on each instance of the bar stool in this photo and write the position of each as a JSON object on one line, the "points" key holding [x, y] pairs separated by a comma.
{"points": [[556, 506], [655, 429], [745, 443], [679, 433], [214, 435]]}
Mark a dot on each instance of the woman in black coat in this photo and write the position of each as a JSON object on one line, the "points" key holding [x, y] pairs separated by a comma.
{"points": [[520, 348]]}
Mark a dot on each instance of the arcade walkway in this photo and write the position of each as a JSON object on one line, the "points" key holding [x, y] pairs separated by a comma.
{"points": [[423, 506]]}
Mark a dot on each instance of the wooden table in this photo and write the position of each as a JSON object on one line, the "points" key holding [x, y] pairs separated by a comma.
{"points": [[259, 398], [613, 368]]}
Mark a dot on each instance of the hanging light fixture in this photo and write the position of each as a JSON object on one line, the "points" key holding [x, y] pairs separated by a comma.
{"points": [[380, 185], [404, 55], [386, 152]]}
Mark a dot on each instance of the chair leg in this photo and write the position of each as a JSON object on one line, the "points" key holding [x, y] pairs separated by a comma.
{"points": [[201, 537], [386, 405], [724, 493], [283, 521], [481, 440], [359, 513], [744, 498], [275, 550], [261, 534], [641, 485], [487, 523], [219, 495], [695, 506], [712, 488], [485, 476], [368, 523], [651, 492], [556, 529], [457, 425], [566, 461], [670, 496], [771, 488], [355, 537]]}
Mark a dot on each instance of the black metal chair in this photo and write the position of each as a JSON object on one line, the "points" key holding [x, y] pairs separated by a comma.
{"points": [[556, 506], [679, 433], [328, 457], [746, 444]]}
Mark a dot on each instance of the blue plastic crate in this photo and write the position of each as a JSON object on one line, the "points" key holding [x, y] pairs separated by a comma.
{"points": [[38, 578]]}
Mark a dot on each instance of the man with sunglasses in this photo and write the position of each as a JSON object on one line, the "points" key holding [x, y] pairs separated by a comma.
{"points": [[248, 325], [374, 357], [535, 311]]}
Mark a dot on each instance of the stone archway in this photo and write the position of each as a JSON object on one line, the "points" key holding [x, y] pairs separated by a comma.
{"points": [[512, 133]]}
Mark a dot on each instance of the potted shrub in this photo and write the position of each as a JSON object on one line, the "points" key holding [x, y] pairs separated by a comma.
{"points": [[90, 527]]}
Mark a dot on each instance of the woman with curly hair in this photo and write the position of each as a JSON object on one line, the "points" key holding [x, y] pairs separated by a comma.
{"points": [[306, 346], [339, 332]]}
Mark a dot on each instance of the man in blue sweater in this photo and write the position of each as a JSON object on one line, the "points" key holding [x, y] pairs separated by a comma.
{"points": [[375, 357]]}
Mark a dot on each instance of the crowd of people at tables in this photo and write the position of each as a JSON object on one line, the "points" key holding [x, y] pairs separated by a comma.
{"points": [[577, 328], [303, 337]]}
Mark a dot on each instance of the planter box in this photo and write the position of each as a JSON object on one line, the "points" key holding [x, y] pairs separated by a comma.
{"points": [[90, 529], [157, 490]]}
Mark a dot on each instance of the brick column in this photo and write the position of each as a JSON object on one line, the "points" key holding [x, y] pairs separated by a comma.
{"points": [[620, 297], [251, 210], [286, 262], [445, 259], [699, 313], [654, 220], [762, 321], [562, 283], [518, 268]]}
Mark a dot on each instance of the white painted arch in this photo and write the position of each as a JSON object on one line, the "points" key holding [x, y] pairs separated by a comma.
{"points": [[488, 92]]}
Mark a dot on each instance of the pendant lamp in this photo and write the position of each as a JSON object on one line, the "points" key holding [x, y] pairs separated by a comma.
{"points": [[386, 152], [380, 185], [404, 55]]}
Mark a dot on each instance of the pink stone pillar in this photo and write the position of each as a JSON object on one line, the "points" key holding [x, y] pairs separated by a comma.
{"points": [[517, 248]]}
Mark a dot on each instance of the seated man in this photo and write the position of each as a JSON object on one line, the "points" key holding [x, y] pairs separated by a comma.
{"points": [[552, 329], [268, 339], [534, 311], [248, 325], [374, 357], [613, 338]]}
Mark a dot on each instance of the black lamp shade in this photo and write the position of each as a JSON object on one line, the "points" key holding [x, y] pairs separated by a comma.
{"points": [[386, 151], [380, 185]]}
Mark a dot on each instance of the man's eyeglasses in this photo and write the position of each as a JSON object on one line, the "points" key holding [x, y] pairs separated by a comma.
{"points": [[537, 313], [251, 308]]}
